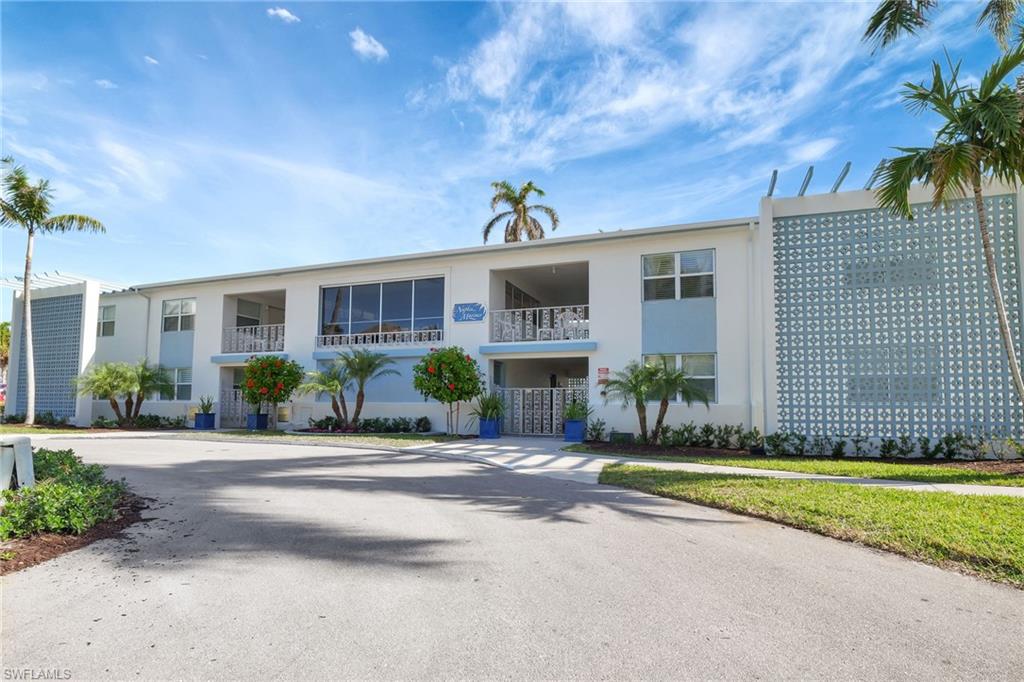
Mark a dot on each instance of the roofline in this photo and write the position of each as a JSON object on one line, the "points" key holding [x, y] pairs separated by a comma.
{"points": [[463, 251]]}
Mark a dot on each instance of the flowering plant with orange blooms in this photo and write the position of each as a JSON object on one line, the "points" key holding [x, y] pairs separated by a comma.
{"points": [[270, 380], [448, 375]]}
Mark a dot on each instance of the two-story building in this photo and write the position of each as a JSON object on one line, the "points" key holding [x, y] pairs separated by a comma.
{"points": [[821, 314]]}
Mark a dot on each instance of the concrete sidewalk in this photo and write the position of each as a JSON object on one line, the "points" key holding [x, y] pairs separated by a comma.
{"points": [[545, 457]]}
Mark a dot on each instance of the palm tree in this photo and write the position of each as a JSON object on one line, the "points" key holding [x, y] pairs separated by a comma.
{"points": [[334, 381], [148, 380], [668, 383], [27, 206], [633, 385], [893, 18], [519, 222], [109, 381], [981, 138], [363, 366]]}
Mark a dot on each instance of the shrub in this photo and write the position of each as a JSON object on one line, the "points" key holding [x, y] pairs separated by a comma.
{"points": [[331, 424], [448, 375], [595, 430], [888, 448], [748, 439], [48, 419], [576, 411], [155, 421], [839, 448], [69, 497], [422, 425], [905, 447], [489, 407], [102, 422], [706, 436], [270, 380], [14, 418], [724, 434]]}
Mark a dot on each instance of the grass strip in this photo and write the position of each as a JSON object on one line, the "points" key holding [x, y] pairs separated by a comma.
{"points": [[979, 534]]}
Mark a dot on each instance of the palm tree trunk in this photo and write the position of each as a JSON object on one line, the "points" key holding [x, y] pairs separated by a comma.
{"points": [[997, 294], [344, 407], [662, 410], [336, 408], [360, 395], [139, 397], [117, 410], [641, 414], [129, 408], [26, 322]]}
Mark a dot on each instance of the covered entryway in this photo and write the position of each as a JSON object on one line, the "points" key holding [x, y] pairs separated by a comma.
{"points": [[536, 391], [233, 410]]}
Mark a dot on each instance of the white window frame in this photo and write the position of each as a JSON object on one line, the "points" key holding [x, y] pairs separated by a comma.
{"points": [[713, 399], [678, 274], [177, 374], [164, 316], [102, 320]]}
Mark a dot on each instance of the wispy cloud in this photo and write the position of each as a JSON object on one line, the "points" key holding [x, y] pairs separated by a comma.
{"points": [[44, 156], [150, 60], [282, 14], [366, 46], [105, 84]]}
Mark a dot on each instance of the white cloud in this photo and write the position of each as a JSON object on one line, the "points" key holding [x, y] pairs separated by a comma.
{"points": [[150, 60], [105, 84], [366, 46], [812, 150], [282, 14], [39, 154]]}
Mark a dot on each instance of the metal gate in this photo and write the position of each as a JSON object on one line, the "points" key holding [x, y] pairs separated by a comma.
{"points": [[234, 411], [537, 411]]}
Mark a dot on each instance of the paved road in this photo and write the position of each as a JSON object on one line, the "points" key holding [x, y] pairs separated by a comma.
{"points": [[286, 561]]}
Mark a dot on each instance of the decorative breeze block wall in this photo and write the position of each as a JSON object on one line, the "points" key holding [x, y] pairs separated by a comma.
{"points": [[56, 330]]}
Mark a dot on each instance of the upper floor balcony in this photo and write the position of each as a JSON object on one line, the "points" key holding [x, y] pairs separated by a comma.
{"points": [[254, 322], [407, 312], [540, 303]]}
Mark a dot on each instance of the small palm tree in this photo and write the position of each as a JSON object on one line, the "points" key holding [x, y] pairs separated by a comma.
{"points": [[633, 385], [893, 18], [981, 137], [519, 222], [149, 380], [363, 366], [669, 383], [111, 381], [27, 206], [334, 381]]}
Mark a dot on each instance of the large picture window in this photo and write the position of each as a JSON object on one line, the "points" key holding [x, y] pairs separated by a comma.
{"points": [[686, 274], [700, 368], [179, 315], [398, 306]]}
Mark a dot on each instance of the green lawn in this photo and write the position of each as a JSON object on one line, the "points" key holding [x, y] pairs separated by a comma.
{"points": [[390, 440], [974, 533], [927, 473], [21, 430]]}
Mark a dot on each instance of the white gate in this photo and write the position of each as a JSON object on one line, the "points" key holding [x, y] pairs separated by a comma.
{"points": [[234, 411], [537, 411]]}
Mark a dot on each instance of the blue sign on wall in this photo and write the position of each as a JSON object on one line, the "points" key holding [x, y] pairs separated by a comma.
{"points": [[469, 312]]}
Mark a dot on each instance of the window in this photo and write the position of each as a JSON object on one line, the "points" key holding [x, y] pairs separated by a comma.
{"points": [[701, 368], [687, 274], [247, 313], [399, 306], [517, 299], [182, 388], [105, 321], [179, 315]]}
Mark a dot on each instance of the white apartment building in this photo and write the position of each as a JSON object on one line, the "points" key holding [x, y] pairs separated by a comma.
{"points": [[820, 314]]}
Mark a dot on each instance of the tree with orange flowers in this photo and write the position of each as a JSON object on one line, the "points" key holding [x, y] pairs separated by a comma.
{"points": [[448, 375], [270, 380]]}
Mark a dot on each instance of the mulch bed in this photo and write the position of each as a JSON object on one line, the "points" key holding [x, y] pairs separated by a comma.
{"points": [[991, 466], [45, 546]]}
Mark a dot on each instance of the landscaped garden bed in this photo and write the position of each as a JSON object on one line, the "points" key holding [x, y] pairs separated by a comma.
{"points": [[71, 505], [978, 534]]}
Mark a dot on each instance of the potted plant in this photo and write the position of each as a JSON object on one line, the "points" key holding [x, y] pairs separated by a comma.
{"points": [[205, 417], [489, 410], [269, 380], [575, 416]]}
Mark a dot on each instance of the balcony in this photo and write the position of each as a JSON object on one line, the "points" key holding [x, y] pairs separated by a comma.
{"points": [[552, 323], [263, 338], [378, 338]]}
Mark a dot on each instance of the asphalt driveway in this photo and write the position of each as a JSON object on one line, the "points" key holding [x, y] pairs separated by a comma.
{"points": [[266, 561]]}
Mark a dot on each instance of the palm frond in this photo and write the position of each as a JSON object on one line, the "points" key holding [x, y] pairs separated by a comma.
{"points": [[550, 212], [892, 18], [999, 71], [70, 222], [999, 15], [494, 221], [897, 175]]}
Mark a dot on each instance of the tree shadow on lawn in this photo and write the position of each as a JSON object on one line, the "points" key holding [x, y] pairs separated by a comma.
{"points": [[206, 507]]}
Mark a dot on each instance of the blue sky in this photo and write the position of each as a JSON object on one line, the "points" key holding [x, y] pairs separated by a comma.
{"points": [[222, 137]]}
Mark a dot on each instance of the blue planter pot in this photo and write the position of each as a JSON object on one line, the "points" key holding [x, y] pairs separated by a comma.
{"points": [[205, 422], [575, 429], [489, 428], [257, 422]]}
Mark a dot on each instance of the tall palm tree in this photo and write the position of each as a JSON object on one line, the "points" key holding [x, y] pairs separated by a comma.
{"points": [[667, 384], [334, 381], [981, 137], [363, 366], [518, 221], [893, 18], [27, 206], [633, 384]]}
